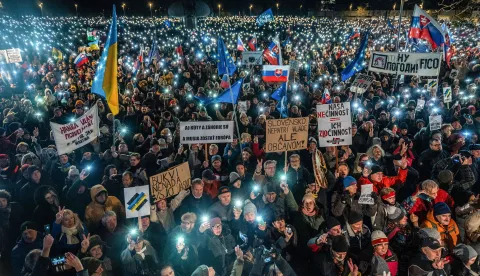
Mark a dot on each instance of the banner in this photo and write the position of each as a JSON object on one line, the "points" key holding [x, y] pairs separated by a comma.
{"points": [[435, 122], [137, 201], [287, 134], [412, 64], [447, 94], [71, 136], [252, 58], [334, 124], [210, 132], [11, 55], [171, 182], [361, 83], [432, 84]]}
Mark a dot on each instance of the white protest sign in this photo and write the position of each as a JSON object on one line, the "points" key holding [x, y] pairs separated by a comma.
{"points": [[453, 74], [14, 55], [361, 83], [79, 133], [252, 58], [334, 124], [366, 195], [242, 106], [432, 84], [435, 122], [210, 132], [420, 104], [413, 64], [447, 94], [137, 201]]}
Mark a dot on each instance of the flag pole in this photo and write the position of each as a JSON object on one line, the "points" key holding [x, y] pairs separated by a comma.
{"points": [[399, 24], [234, 115]]}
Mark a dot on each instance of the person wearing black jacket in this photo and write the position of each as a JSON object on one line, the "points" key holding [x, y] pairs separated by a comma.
{"points": [[154, 233], [27, 194], [78, 196], [429, 260], [334, 261]]}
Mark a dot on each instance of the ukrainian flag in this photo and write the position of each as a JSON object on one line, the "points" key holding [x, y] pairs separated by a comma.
{"points": [[105, 81]]}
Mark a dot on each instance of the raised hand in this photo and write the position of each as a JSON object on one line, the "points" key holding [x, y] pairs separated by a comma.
{"points": [[259, 167], [73, 261], [47, 242], [285, 188], [85, 242], [59, 215], [239, 253]]}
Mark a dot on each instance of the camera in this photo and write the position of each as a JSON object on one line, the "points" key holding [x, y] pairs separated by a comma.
{"points": [[458, 159], [269, 255], [289, 229]]}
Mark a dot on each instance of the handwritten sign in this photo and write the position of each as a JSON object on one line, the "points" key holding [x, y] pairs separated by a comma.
{"points": [[366, 195], [361, 83], [78, 133], [137, 201], [252, 58], [435, 122], [287, 134], [334, 124], [11, 55], [447, 94], [171, 182], [210, 132]]}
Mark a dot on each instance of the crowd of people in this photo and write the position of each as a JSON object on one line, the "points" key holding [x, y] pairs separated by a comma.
{"points": [[247, 212]]}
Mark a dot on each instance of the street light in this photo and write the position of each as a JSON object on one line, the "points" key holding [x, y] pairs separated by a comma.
{"points": [[123, 7], [351, 6], [301, 6], [76, 9], [41, 8], [219, 6], [277, 9], [151, 13], [251, 6]]}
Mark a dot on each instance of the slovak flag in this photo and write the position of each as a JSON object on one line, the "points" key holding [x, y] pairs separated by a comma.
{"points": [[179, 50], [326, 99], [272, 53], [448, 49], [275, 73], [225, 82], [240, 45], [252, 43], [424, 27], [80, 60], [355, 33]]}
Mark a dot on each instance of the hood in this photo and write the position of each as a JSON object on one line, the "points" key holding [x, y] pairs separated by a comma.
{"points": [[95, 190], [41, 192], [431, 218]]}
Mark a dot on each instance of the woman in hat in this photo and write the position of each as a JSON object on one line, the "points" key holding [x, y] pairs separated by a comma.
{"points": [[94, 247]]}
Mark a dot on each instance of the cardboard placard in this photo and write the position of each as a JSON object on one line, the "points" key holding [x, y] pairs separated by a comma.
{"points": [[287, 134], [171, 182], [137, 201]]}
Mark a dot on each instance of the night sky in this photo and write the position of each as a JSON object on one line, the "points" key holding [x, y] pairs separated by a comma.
{"points": [[140, 7]]}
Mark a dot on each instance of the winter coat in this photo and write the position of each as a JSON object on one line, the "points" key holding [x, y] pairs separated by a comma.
{"points": [[387, 181], [156, 235], [61, 245], [448, 234], [343, 203], [44, 212], [198, 206], [423, 204], [392, 261], [185, 262], [323, 264], [420, 265], [95, 211], [135, 264], [27, 193], [77, 202], [218, 251], [225, 213], [380, 219], [360, 245], [21, 250]]}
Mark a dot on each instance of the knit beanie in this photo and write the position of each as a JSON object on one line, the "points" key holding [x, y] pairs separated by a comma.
{"points": [[91, 264], [250, 208], [73, 171], [354, 217], [234, 177], [94, 241], [216, 158], [379, 266], [28, 225], [396, 215], [445, 177], [378, 237], [376, 169], [339, 244], [464, 252], [332, 222], [429, 233], [441, 208], [201, 271], [349, 181]]}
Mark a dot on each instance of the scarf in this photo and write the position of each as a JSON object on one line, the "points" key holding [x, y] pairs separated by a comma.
{"points": [[141, 252], [71, 234], [309, 214]]}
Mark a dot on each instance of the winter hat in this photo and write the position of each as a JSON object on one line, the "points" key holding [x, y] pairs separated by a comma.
{"points": [[332, 222], [28, 225], [339, 244], [234, 177], [429, 233], [154, 142], [312, 140], [201, 271], [216, 158], [378, 237], [91, 264], [208, 174], [271, 188], [379, 266], [349, 181], [376, 169], [403, 125], [464, 252], [396, 215], [376, 141], [214, 221], [354, 217], [445, 177], [441, 208], [94, 241], [73, 171], [250, 208], [32, 169], [430, 243], [223, 190]]}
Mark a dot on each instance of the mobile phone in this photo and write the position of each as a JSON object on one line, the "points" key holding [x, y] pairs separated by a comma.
{"points": [[58, 260], [46, 229]]}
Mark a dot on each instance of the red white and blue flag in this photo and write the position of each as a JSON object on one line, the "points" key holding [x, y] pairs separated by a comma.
{"points": [[355, 33], [275, 73], [272, 53], [448, 50], [252, 43], [225, 82], [424, 27], [240, 45], [326, 99], [80, 60]]}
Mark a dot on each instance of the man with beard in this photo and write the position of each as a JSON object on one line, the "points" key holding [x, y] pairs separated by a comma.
{"points": [[101, 202], [136, 168], [197, 201], [31, 239], [186, 230], [430, 157]]}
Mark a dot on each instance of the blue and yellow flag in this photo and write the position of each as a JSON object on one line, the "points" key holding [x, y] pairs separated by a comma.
{"points": [[105, 81]]}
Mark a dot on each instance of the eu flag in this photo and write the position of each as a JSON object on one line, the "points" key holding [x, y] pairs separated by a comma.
{"points": [[265, 17], [282, 107], [225, 96], [225, 62], [105, 82], [357, 63], [280, 92]]}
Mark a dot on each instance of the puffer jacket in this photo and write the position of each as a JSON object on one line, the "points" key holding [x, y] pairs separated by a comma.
{"points": [[95, 211], [448, 234]]}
